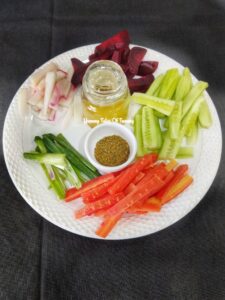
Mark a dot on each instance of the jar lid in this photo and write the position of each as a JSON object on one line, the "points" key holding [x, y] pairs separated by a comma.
{"points": [[104, 82]]}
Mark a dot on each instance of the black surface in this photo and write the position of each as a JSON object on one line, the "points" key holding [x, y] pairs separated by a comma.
{"points": [[41, 261]]}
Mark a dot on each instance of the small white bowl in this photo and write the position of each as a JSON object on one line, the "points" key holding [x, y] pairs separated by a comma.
{"points": [[107, 129]]}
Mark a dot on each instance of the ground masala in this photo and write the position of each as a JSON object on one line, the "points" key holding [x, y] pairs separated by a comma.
{"points": [[112, 151]]}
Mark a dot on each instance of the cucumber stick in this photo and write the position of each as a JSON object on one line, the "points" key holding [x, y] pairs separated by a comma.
{"points": [[155, 85], [205, 117], [164, 106], [193, 136], [138, 133], [170, 147], [190, 119], [183, 86], [175, 120], [159, 114], [185, 152], [169, 84], [194, 93], [149, 129]]}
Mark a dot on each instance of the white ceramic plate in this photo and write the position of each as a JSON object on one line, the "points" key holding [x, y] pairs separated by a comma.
{"points": [[27, 176]]}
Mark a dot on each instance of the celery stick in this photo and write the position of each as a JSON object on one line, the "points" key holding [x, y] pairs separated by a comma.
{"points": [[169, 84], [155, 85], [162, 105], [185, 152], [138, 133], [194, 93], [205, 117], [184, 85], [175, 120]]}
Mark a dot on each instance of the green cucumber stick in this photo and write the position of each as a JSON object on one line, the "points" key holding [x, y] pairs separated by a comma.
{"points": [[188, 122], [184, 85], [138, 132], [164, 106], [149, 129], [194, 93], [168, 84], [205, 117], [175, 120], [185, 152], [192, 138], [155, 85]]}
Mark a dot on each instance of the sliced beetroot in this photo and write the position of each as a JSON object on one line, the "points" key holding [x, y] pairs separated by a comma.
{"points": [[134, 59], [124, 67], [147, 67], [125, 54], [79, 70], [122, 39], [140, 84], [93, 57], [116, 57], [77, 64]]}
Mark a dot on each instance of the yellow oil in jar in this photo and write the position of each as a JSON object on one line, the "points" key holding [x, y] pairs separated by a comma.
{"points": [[117, 111], [105, 95]]}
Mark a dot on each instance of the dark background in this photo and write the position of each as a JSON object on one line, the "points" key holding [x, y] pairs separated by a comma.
{"points": [[39, 260]]}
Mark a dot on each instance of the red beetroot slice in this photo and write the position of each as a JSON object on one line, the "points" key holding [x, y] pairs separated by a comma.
{"points": [[116, 57], [134, 59], [120, 39], [125, 55], [140, 84], [147, 67], [105, 55], [79, 70]]}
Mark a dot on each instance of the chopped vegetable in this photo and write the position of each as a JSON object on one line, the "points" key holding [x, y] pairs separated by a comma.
{"points": [[175, 120], [134, 59], [145, 190], [147, 67], [129, 174], [74, 193], [41, 73], [205, 117], [138, 133], [105, 202], [149, 130], [169, 84], [162, 105], [184, 85], [155, 85], [194, 93], [57, 160], [107, 225]]}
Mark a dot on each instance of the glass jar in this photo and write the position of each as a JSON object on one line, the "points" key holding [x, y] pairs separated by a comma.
{"points": [[105, 93]]}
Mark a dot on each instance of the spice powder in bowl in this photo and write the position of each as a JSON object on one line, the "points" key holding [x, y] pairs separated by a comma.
{"points": [[112, 151]]}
